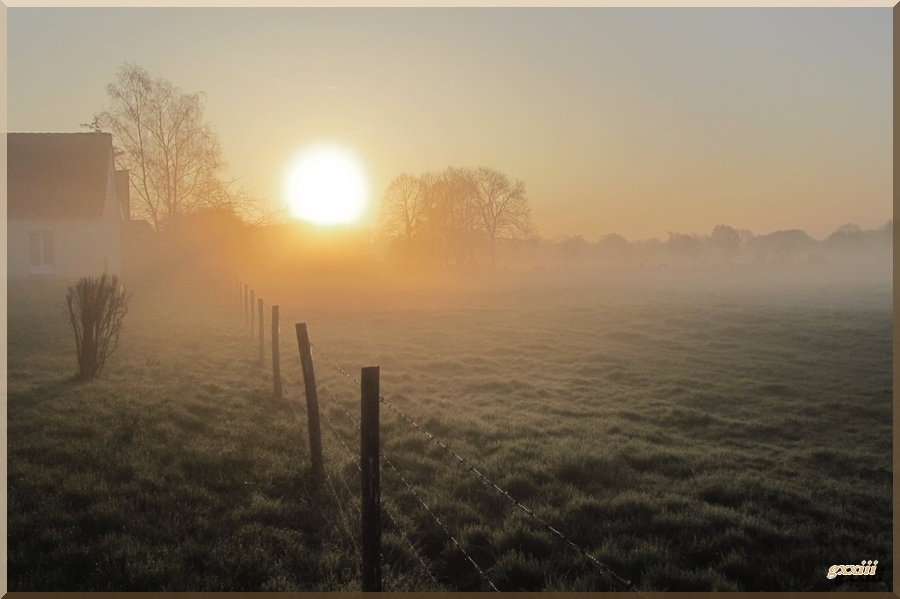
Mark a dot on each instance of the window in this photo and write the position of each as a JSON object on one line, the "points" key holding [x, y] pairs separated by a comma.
{"points": [[41, 252]]}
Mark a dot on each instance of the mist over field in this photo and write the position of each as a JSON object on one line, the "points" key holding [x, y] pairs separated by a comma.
{"points": [[718, 427]]}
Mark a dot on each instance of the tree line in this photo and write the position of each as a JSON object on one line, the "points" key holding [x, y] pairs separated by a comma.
{"points": [[724, 245], [456, 216]]}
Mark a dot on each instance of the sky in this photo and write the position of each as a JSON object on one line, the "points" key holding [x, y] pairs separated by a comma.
{"points": [[618, 120]]}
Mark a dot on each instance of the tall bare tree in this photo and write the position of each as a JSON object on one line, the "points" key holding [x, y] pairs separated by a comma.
{"points": [[458, 203], [502, 208], [402, 209], [172, 153]]}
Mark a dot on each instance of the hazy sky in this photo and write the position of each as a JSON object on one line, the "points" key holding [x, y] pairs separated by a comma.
{"points": [[635, 121]]}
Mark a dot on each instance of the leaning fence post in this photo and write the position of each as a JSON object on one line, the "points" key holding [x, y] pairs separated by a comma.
{"points": [[276, 353], [371, 484], [246, 304], [312, 403], [252, 307], [262, 332]]}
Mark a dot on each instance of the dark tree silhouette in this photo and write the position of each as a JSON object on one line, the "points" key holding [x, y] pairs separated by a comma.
{"points": [[455, 212], [402, 209], [502, 207]]}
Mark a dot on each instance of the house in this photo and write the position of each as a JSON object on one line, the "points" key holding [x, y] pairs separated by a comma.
{"points": [[66, 205]]}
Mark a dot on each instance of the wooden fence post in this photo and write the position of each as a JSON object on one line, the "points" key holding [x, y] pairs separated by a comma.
{"points": [[276, 352], [246, 304], [262, 331], [312, 403], [252, 314], [371, 484]]}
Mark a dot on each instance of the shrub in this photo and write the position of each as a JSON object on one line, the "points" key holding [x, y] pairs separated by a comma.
{"points": [[97, 306]]}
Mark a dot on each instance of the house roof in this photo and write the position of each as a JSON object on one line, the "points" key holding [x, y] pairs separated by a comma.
{"points": [[57, 175]]}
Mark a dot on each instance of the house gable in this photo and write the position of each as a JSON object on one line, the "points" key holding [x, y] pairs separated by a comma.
{"points": [[58, 175]]}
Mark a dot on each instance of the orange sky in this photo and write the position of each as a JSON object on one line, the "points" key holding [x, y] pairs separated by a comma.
{"points": [[634, 121]]}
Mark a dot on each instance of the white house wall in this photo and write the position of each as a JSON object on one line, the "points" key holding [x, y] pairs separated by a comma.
{"points": [[81, 247]]}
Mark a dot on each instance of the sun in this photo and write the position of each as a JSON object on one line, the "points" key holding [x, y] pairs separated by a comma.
{"points": [[326, 185]]}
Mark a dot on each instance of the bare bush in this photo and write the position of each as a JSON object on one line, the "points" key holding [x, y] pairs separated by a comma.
{"points": [[97, 306]]}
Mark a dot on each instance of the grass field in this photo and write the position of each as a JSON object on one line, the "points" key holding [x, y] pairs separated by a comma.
{"points": [[691, 430]]}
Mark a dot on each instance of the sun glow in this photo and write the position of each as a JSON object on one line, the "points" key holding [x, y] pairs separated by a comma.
{"points": [[326, 185]]}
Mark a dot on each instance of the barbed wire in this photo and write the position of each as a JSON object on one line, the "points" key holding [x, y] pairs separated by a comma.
{"points": [[346, 519], [344, 514], [441, 524], [626, 583], [335, 401], [386, 510], [410, 543], [330, 361]]}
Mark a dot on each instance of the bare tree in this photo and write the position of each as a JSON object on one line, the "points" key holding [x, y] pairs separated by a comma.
{"points": [[459, 195], [502, 208], [456, 211], [235, 198], [161, 137], [402, 210]]}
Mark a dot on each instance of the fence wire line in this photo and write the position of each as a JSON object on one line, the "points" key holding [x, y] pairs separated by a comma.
{"points": [[346, 486], [346, 519], [344, 514], [511, 499], [441, 524], [338, 404], [386, 509], [345, 373], [359, 468]]}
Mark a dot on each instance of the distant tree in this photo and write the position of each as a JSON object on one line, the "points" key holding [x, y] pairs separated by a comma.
{"points": [[849, 237], [725, 243], [687, 248], [789, 244], [613, 246], [649, 249], [172, 153], [573, 249], [780, 246], [502, 208], [402, 208], [455, 209], [455, 212]]}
